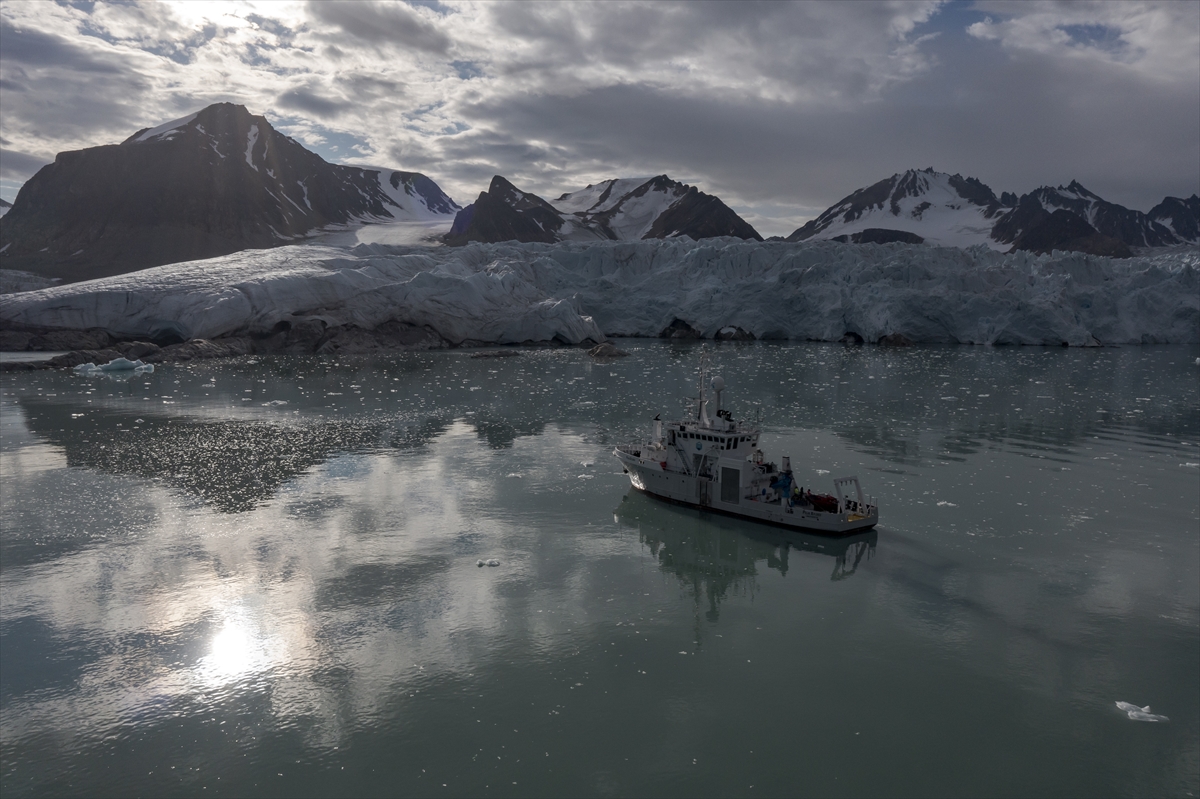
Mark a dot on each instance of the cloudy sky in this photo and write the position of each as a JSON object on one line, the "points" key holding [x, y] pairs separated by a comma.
{"points": [[780, 109]]}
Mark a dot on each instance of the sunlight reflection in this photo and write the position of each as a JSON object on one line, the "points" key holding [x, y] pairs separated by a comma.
{"points": [[236, 651]]}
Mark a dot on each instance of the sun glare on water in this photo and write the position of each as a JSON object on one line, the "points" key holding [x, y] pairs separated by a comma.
{"points": [[235, 651]]}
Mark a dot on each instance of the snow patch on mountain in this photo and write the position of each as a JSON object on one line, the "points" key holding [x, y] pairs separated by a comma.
{"points": [[511, 292], [927, 203], [166, 130], [598, 197], [251, 138]]}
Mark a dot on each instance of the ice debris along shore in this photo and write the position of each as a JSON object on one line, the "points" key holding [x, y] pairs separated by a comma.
{"points": [[573, 292]]}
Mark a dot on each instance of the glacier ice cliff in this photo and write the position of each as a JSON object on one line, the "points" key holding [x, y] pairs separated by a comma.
{"points": [[574, 291]]}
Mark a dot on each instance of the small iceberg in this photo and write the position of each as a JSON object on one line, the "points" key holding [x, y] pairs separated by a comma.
{"points": [[115, 365], [493, 562], [1140, 713]]}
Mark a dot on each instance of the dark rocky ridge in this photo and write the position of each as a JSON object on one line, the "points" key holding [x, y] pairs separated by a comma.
{"points": [[1181, 216], [506, 213], [223, 181], [1134, 228], [1063, 230]]}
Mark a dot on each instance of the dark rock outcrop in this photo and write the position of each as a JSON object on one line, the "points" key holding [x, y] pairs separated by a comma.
{"points": [[875, 235], [679, 329], [733, 333], [217, 182], [895, 340], [53, 340], [607, 350], [1063, 230]]}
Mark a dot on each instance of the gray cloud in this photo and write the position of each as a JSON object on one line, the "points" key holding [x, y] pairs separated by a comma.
{"points": [[19, 166], [382, 23], [305, 100], [39, 49]]}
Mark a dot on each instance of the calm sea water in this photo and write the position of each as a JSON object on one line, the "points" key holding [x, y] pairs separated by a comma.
{"points": [[258, 578]]}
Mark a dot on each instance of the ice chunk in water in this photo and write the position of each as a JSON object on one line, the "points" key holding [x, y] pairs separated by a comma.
{"points": [[479, 563], [493, 562], [1140, 713], [1127, 707], [115, 365]]}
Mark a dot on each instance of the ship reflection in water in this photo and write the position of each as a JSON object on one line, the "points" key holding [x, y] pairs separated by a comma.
{"points": [[717, 555]]}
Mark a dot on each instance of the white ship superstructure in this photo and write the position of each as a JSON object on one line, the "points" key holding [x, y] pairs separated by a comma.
{"points": [[714, 463]]}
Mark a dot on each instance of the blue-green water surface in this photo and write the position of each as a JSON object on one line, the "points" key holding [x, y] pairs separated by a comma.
{"points": [[258, 578]]}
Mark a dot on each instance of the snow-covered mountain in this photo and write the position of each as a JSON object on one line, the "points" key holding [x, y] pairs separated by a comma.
{"points": [[949, 210], [1181, 217], [214, 182], [622, 209], [942, 209]]}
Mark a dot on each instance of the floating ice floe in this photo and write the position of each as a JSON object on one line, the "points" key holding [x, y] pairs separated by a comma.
{"points": [[1140, 713], [489, 562], [275, 402], [493, 562], [115, 365]]}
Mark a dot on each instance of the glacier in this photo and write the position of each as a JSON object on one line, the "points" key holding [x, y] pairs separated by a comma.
{"points": [[572, 292]]}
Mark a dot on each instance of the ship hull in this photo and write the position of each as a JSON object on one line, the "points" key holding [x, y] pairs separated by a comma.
{"points": [[698, 492]]}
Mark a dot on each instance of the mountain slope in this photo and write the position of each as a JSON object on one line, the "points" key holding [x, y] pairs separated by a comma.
{"points": [[212, 183], [1047, 231], [951, 210], [1181, 217], [943, 209], [1134, 228], [621, 209]]}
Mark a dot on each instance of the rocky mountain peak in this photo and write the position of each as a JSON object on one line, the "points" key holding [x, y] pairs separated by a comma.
{"points": [[211, 183], [616, 209], [937, 206]]}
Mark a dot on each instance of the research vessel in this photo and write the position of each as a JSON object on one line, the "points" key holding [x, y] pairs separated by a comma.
{"points": [[714, 463]]}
